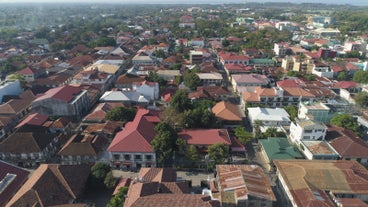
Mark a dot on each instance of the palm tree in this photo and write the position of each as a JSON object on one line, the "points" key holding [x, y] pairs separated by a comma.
{"points": [[257, 124]]}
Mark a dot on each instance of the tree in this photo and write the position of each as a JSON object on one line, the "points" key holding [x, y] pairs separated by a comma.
{"points": [[164, 143], [346, 121], [191, 80], [99, 172], [343, 75], [292, 110], [109, 180], [293, 73], [119, 198], [121, 113], [361, 76], [192, 155], [103, 42], [242, 135], [257, 129], [218, 152], [273, 132], [361, 99], [180, 101]]}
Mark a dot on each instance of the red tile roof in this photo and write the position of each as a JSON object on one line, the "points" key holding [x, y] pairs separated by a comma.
{"points": [[64, 93], [11, 189], [290, 83], [205, 136], [227, 111], [346, 84], [136, 136], [33, 119]]}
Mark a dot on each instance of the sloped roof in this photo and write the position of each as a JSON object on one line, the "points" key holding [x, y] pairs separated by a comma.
{"points": [[51, 184], [296, 92], [11, 189], [227, 111], [136, 136], [89, 145], [157, 174], [280, 149], [178, 200], [26, 142], [64, 93], [268, 114], [33, 119], [205, 136], [347, 143], [309, 180], [244, 180], [250, 78], [15, 106], [109, 127]]}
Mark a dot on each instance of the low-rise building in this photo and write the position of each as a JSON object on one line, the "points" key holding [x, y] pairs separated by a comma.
{"points": [[307, 130], [208, 79], [269, 117], [318, 150]]}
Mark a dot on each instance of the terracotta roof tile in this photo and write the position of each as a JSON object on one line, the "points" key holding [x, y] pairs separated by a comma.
{"points": [[227, 111], [33, 119], [63, 93], [84, 145], [26, 142], [205, 136]]}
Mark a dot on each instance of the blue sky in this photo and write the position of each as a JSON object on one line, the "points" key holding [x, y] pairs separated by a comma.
{"points": [[354, 2]]}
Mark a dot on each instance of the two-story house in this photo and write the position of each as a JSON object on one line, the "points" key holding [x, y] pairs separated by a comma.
{"points": [[241, 81], [131, 148], [307, 130], [93, 77], [150, 90]]}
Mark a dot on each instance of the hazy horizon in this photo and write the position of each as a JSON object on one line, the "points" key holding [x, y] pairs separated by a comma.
{"points": [[352, 2]]}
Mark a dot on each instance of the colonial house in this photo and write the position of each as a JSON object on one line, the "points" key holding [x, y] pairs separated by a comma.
{"points": [[168, 75], [186, 21], [305, 183], [203, 138], [30, 74], [52, 185], [270, 117], [29, 148], [82, 149], [131, 148], [62, 101], [18, 107], [307, 130], [215, 93], [128, 98], [93, 77], [143, 59], [235, 68], [150, 90], [244, 185], [241, 81], [99, 113], [228, 58]]}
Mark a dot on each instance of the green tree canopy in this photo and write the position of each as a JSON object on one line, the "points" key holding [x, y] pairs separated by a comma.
{"points": [[180, 101], [361, 76], [273, 132], [121, 113], [164, 143], [191, 80], [242, 135], [99, 171], [218, 152], [347, 121], [119, 198], [292, 110], [361, 99]]}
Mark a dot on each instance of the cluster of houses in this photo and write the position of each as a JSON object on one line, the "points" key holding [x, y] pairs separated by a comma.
{"points": [[61, 118]]}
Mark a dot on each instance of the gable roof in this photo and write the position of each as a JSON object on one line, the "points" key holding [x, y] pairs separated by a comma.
{"points": [[33, 119], [51, 184], [250, 78], [26, 142], [17, 105], [87, 145], [64, 93], [347, 143], [268, 114], [7, 171], [136, 136], [205, 136], [227, 111], [178, 200], [157, 174]]}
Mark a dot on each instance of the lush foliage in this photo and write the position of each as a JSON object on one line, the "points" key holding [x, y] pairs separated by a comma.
{"points": [[99, 173], [292, 110], [361, 99], [347, 121], [121, 113], [218, 152], [242, 135], [119, 198], [191, 80], [361, 76], [164, 143]]}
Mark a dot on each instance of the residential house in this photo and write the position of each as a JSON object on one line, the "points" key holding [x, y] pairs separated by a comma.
{"points": [[9, 87], [262, 62], [7, 123], [186, 21], [168, 75], [270, 117], [131, 148], [29, 146], [348, 145], [82, 149], [318, 150], [329, 183], [322, 70], [150, 90], [197, 42], [52, 185], [240, 81], [228, 113], [143, 59], [208, 79], [61, 125], [128, 98], [48, 82], [99, 113], [19, 106], [30, 74], [107, 129], [281, 49], [109, 67], [307, 130], [203, 138], [126, 81], [315, 111], [93, 77], [11, 178], [65, 100], [244, 185], [277, 148], [215, 93], [34, 119], [235, 68], [228, 58]]}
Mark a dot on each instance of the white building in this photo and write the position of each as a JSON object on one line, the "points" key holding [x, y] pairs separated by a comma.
{"points": [[322, 70], [269, 117], [148, 89], [210, 78], [307, 130], [10, 88]]}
